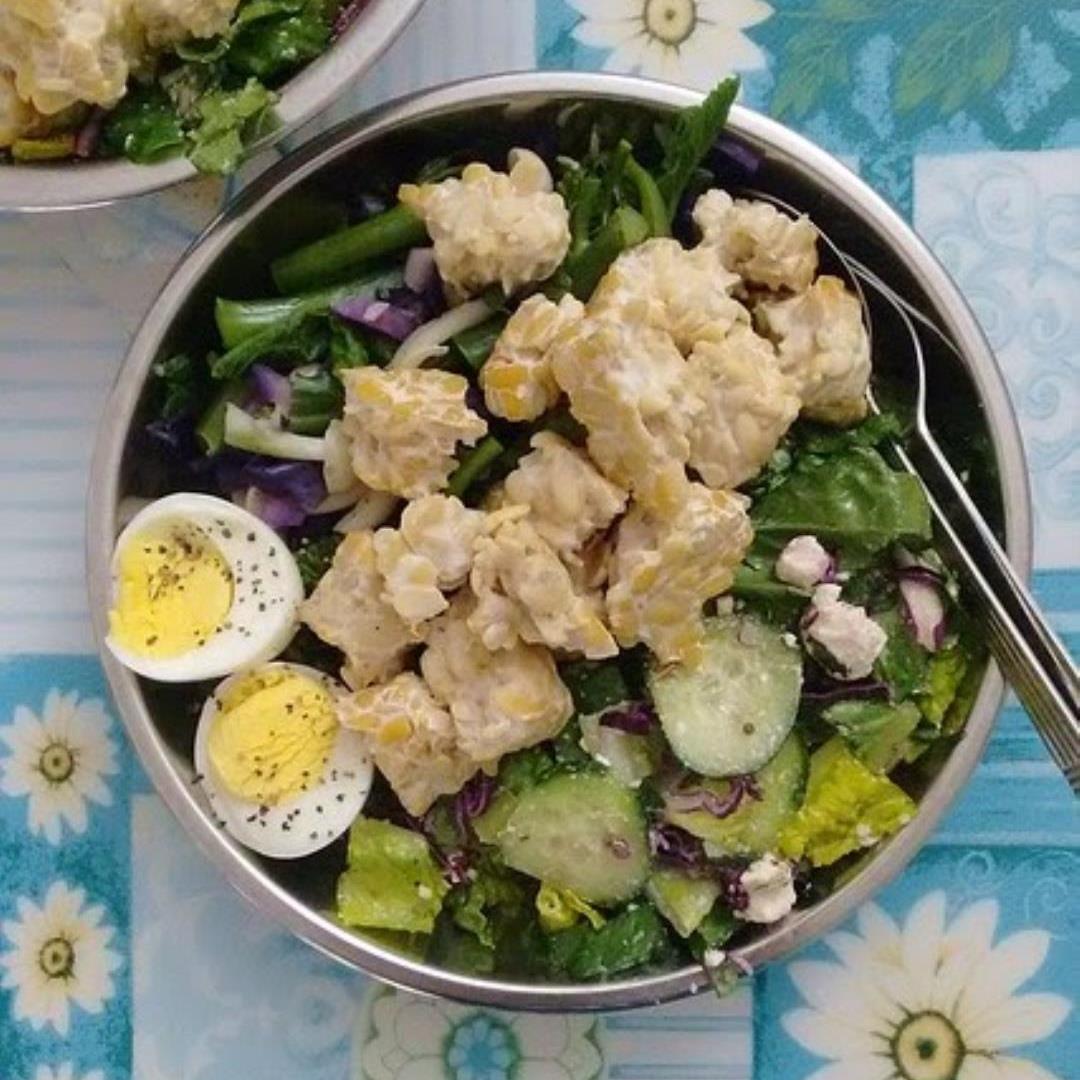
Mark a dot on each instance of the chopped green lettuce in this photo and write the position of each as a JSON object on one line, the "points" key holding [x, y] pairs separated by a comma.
{"points": [[683, 900], [852, 501], [847, 807], [875, 731], [392, 882], [228, 121], [944, 676], [634, 937]]}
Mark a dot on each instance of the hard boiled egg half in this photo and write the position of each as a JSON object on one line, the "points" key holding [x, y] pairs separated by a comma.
{"points": [[201, 588], [280, 773]]}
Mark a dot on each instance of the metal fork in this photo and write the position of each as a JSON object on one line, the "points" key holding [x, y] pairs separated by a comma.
{"points": [[1030, 655]]}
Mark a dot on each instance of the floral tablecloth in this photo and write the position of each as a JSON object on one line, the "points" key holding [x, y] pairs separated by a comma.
{"points": [[122, 953]]}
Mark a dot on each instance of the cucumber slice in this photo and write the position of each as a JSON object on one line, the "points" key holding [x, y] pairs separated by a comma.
{"points": [[683, 900], [753, 828], [731, 712], [579, 831]]}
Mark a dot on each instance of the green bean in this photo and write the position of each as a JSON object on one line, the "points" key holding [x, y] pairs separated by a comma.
{"points": [[473, 347], [653, 206], [339, 253], [240, 319], [474, 465], [626, 228], [46, 148]]}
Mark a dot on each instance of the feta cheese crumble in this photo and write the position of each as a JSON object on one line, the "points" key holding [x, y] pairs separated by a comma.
{"points": [[770, 890], [803, 562], [845, 632]]}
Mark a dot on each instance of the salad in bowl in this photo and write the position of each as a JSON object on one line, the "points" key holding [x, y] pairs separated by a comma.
{"points": [[532, 558]]}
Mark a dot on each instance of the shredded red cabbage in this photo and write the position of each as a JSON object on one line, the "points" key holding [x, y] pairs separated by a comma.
{"points": [[277, 511], [348, 14], [393, 320], [299, 481], [472, 800], [734, 152], [89, 135], [721, 806], [269, 387], [675, 846], [634, 718], [827, 692]]}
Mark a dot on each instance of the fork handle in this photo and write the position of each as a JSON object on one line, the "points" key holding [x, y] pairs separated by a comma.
{"points": [[1030, 655]]}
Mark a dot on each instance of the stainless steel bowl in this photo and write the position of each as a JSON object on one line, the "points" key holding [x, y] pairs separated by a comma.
{"points": [[233, 249], [72, 185]]}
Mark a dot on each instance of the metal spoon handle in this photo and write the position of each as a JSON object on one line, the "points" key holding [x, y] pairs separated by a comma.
{"points": [[1029, 653]]}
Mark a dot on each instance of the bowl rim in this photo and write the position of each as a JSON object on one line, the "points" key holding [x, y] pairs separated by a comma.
{"points": [[40, 188], [238, 866]]}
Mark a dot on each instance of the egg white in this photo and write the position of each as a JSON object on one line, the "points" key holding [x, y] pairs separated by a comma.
{"points": [[267, 589], [302, 825]]}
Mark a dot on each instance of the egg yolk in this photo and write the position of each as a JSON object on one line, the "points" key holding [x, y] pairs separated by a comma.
{"points": [[272, 736], [174, 592]]}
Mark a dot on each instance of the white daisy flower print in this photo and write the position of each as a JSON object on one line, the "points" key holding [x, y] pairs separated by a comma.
{"points": [[60, 956], [929, 1000], [66, 1072], [694, 42], [59, 761]]}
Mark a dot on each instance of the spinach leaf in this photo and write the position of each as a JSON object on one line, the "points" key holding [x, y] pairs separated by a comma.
{"points": [[524, 769], [272, 38], [347, 348], [851, 501], [143, 127], [483, 906], [456, 949], [228, 120], [690, 138], [179, 383], [757, 587], [314, 556], [903, 662], [873, 431], [876, 732], [317, 398], [631, 939], [569, 753], [595, 685]]}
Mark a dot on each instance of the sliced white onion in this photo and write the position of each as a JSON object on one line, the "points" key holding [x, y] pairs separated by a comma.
{"points": [[342, 500], [244, 432], [338, 472], [373, 508], [426, 342], [420, 269]]}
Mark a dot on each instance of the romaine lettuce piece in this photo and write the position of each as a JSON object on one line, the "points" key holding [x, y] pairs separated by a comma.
{"points": [[392, 881], [683, 900], [876, 732], [559, 909], [847, 807]]}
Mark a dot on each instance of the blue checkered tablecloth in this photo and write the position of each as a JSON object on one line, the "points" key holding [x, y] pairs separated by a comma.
{"points": [[122, 953]]}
